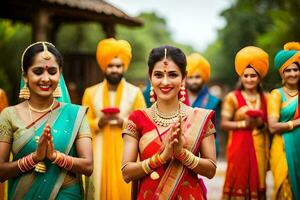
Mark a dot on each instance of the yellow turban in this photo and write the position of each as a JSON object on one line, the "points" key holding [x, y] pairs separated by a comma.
{"points": [[198, 64], [111, 48], [253, 56]]}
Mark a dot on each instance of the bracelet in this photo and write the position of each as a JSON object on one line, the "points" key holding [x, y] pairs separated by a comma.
{"points": [[155, 161], [291, 125], [212, 162], [241, 124], [64, 161], [188, 159], [26, 163], [146, 167], [124, 165]]}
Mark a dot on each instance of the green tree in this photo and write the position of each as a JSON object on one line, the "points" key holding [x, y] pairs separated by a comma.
{"points": [[154, 33], [14, 37]]}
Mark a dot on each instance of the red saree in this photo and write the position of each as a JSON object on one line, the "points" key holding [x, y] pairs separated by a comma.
{"points": [[175, 181], [242, 177]]}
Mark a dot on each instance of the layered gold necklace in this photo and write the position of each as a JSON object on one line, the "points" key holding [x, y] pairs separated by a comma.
{"points": [[165, 120]]}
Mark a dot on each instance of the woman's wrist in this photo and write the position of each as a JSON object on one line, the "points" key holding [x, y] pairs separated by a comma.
{"points": [[35, 157], [241, 124], [290, 125], [54, 156]]}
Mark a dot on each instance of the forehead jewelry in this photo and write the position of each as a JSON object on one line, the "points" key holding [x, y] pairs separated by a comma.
{"points": [[46, 55], [165, 61]]}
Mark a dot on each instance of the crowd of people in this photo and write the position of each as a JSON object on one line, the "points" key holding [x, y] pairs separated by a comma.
{"points": [[121, 144]]}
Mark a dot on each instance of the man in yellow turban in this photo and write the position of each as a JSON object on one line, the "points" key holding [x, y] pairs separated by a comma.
{"points": [[110, 102], [198, 74]]}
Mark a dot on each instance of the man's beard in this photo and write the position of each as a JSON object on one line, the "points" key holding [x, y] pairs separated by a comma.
{"points": [[113, 79], [195, 88]]}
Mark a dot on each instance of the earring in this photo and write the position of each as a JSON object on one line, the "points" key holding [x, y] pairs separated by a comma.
{"points": [[24, 92], [152, 95], [182, 93], [282, 82], [57, 92]]}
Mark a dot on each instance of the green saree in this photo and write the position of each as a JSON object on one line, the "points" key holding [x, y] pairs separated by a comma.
{"points": [[291, 141], [65, 123]]}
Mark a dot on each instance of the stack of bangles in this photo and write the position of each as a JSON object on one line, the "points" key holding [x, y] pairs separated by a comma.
{"points": [[188, 159], [64, 161], [26, 163], [150, 164]]}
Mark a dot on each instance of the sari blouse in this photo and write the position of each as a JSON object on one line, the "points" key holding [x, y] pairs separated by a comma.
{"points": [[12, 127], [141, 127]]}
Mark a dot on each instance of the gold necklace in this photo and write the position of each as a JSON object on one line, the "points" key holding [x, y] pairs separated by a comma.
{"points": [[41, 111], [164, 120], [250, 101], [290, 92]]}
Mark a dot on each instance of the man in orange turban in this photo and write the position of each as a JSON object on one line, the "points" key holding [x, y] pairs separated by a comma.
{"points": [[110, 102], [198, 74]]}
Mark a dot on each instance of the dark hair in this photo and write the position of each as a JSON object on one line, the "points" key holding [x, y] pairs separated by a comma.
{"points": [[33, 50], [175, 54]]}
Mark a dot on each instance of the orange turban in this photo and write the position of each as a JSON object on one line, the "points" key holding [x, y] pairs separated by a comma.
{"points": [[198, 64], [111, 48], [253, 56]]}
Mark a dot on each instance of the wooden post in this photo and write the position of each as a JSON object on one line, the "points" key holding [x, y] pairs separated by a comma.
{"points": [[40, 25], [109, 29]]}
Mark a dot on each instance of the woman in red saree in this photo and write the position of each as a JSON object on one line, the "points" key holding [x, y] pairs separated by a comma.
{"points": [[244, 116], [174, 142]]}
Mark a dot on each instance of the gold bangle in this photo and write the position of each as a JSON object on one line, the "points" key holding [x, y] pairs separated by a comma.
{"points": [[212, 162], [241, 124], [291, 125], [124, 165]]}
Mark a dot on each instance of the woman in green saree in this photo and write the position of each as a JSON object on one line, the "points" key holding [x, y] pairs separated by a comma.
{"points": [[49, 137], [284, 123]]}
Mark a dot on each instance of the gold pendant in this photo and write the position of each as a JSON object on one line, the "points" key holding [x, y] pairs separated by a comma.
{"points": [[154, 175]]}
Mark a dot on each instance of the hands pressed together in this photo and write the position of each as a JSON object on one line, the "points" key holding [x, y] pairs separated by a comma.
{"points": [[45, 147], [174, 143]]}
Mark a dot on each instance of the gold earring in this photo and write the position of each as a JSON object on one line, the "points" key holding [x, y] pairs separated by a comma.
{"points": [[152, 95], [57, 92], [24, 92], [182, 93]]}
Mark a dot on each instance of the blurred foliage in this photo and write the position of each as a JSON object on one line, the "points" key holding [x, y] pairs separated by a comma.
{"points": [[14, 37], [264, 23], [154, 33]]}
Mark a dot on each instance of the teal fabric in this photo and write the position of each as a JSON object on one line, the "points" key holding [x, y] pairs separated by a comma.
{"points": [[292, 145], [62, 130], [282, 56]]}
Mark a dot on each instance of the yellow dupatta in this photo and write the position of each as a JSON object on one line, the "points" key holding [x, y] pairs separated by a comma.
{"points": [[112, 183]]}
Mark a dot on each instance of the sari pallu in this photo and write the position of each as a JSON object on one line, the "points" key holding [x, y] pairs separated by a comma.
{"points": [[244, 179], [285, 159], [176, 180], [65, 123]]}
